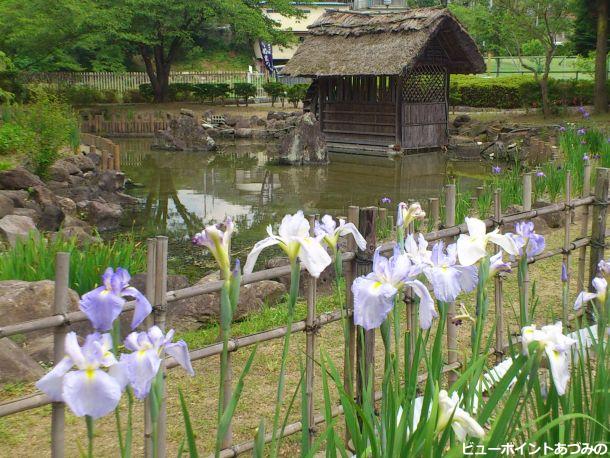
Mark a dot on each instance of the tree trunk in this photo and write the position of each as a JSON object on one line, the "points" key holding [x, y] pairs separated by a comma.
{"points": [[601, 52]]}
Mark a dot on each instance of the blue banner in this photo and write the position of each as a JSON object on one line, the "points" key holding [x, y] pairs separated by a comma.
{"points": [[267, 55]]}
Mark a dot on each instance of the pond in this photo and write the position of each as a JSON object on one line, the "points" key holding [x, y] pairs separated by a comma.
{"points": [[180, 192]]}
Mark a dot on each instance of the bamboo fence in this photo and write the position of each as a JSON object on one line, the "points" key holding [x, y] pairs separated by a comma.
{"points": [[110, 152], [356, 262]]}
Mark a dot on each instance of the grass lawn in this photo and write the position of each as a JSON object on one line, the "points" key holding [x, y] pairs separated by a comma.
{"points": [[27, 434]]}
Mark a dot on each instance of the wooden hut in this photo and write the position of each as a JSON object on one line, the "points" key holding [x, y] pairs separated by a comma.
{"points": [[382, 78]]}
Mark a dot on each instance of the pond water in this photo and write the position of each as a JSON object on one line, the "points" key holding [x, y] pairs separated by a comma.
{"points": [[181, 192]]}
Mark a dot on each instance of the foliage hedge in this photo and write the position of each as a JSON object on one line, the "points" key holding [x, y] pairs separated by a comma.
{"points": [[517, 92]]}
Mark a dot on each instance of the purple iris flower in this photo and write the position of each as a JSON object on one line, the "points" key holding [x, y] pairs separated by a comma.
{"points": [[562, 129], [540, 174], [374, 294], [597, 156], [496, 169], [140, 367], [581, 131], [583, 111], [447, 277], [497, 264], [104, 304], [89, 390], [386, 200], [564, 272], [526, 239], [585, 158]]}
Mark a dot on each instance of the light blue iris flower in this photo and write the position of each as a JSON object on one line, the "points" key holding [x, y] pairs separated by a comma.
{"points": [[374, 294], [527, 241], [104, 304], [447, 277], [140, 367], [89, 390]]}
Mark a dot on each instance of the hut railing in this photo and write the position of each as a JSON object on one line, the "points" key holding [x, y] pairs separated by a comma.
{"points": [[366, 219]]}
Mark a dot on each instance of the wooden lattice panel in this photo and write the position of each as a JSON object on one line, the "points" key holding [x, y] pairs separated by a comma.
{"points": [[425, 84]]}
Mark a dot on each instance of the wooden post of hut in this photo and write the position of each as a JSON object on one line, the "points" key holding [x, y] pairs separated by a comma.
{"points": [[382, 77]]}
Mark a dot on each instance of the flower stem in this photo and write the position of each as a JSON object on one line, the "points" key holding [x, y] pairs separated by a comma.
{"points": [[523, 279], [89, 422], [295, 276]]}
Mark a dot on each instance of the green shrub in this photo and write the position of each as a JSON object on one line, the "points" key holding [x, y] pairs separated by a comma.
{"points": [[146, 91], [134, 96], [244, 91], [33, 259], [15, 140], [517, 92], [275, 90], [47, 124], [296, 93], [210, 92], [12, 88]]}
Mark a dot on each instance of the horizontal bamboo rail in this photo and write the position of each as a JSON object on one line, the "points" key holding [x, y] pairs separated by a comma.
{"points": [[110, 152]]}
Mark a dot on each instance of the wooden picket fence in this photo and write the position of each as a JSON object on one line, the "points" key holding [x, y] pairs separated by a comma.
{"points": [[355, 262], [110, 152], [123, 82]]}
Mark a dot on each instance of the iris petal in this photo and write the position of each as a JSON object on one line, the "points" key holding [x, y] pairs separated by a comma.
{"points": [[258, 247], [313, 256], [91, 392], [180, 352], [102, 307], [142, 309], [51, 384], [372, 302]]}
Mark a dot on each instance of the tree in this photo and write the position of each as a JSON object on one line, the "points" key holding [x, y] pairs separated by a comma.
{"points": [[601, 56], [542, 20], [97, 34], [585, 27], [159, 30]]}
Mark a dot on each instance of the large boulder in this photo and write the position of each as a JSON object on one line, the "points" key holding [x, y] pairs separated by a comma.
{"points": [[111, 181], [16, 365], [6, 206], [15, 227], [305, 144], [324, 283], [552, 220], [51, 214], [105, 216], [19, 198], [24, 301], [80, 160], [184, 133], [19, 178]]}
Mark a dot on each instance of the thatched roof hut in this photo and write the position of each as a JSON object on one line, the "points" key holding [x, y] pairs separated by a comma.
{"points": [[382, 78], [373, 43]]}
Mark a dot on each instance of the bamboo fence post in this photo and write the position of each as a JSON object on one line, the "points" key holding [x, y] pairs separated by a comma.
{"points": [[104, 160], [498, 289], [310, 334], [527, 192], [60, 307], [151, 247], [473, 206], [452, 350], [349, 350], [116, 156], [598, 221], [584, 229], [160, 316], [435, 211], [365, 346], [566, 244]]}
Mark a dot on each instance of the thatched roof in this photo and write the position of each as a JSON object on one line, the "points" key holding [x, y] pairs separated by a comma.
{"points": [[383, 43]]}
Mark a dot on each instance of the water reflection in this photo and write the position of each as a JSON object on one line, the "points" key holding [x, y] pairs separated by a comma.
{"points": [[183, 191]]}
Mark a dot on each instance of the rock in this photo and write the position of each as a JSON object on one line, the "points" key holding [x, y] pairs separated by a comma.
{"points": [[6, 206], [58, 173], [29, 212], [71, 221], [16, 365], [19, 198], [24, 301], [67, 205], [305, 144], [242, 123], [206, 308], [105, 216], [460, 120], [111, 181], [256, 121], [50, 218], [552, 220], [81, 161], [187, 112], [80, 234], [184, 134], [94, 157], [14, 227], [75, 180], [232, 120], [242, 132], [19, 178]]}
